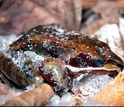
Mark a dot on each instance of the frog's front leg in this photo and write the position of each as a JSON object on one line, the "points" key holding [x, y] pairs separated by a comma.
{"points": [[55, 73]]}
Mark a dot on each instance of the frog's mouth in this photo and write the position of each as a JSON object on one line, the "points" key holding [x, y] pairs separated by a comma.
{"points": [[106, 69]]}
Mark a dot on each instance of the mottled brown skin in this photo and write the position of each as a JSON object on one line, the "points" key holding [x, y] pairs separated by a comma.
{"points": [[85, 45], [69, 47]]}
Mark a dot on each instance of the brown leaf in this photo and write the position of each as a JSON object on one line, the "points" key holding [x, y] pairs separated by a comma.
{"points": [[20, 16]]}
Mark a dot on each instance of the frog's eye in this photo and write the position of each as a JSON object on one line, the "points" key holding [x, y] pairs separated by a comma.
{"points": [[98, 62]]}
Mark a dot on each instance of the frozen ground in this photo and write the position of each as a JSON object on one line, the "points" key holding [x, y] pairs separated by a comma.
{"points": [[88, 86]]}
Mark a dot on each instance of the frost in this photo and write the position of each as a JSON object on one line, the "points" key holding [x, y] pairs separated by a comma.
{"points": [[54, 101], [92, 85], [89, 86], [5, 41], [65, 100], [60, 31], [21, 58]]}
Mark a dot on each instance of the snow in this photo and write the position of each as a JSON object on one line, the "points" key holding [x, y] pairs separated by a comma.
{"points": [[5, 41]]}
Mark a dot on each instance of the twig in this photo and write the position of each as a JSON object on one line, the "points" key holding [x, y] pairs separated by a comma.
{"points": [[37, 97]]}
